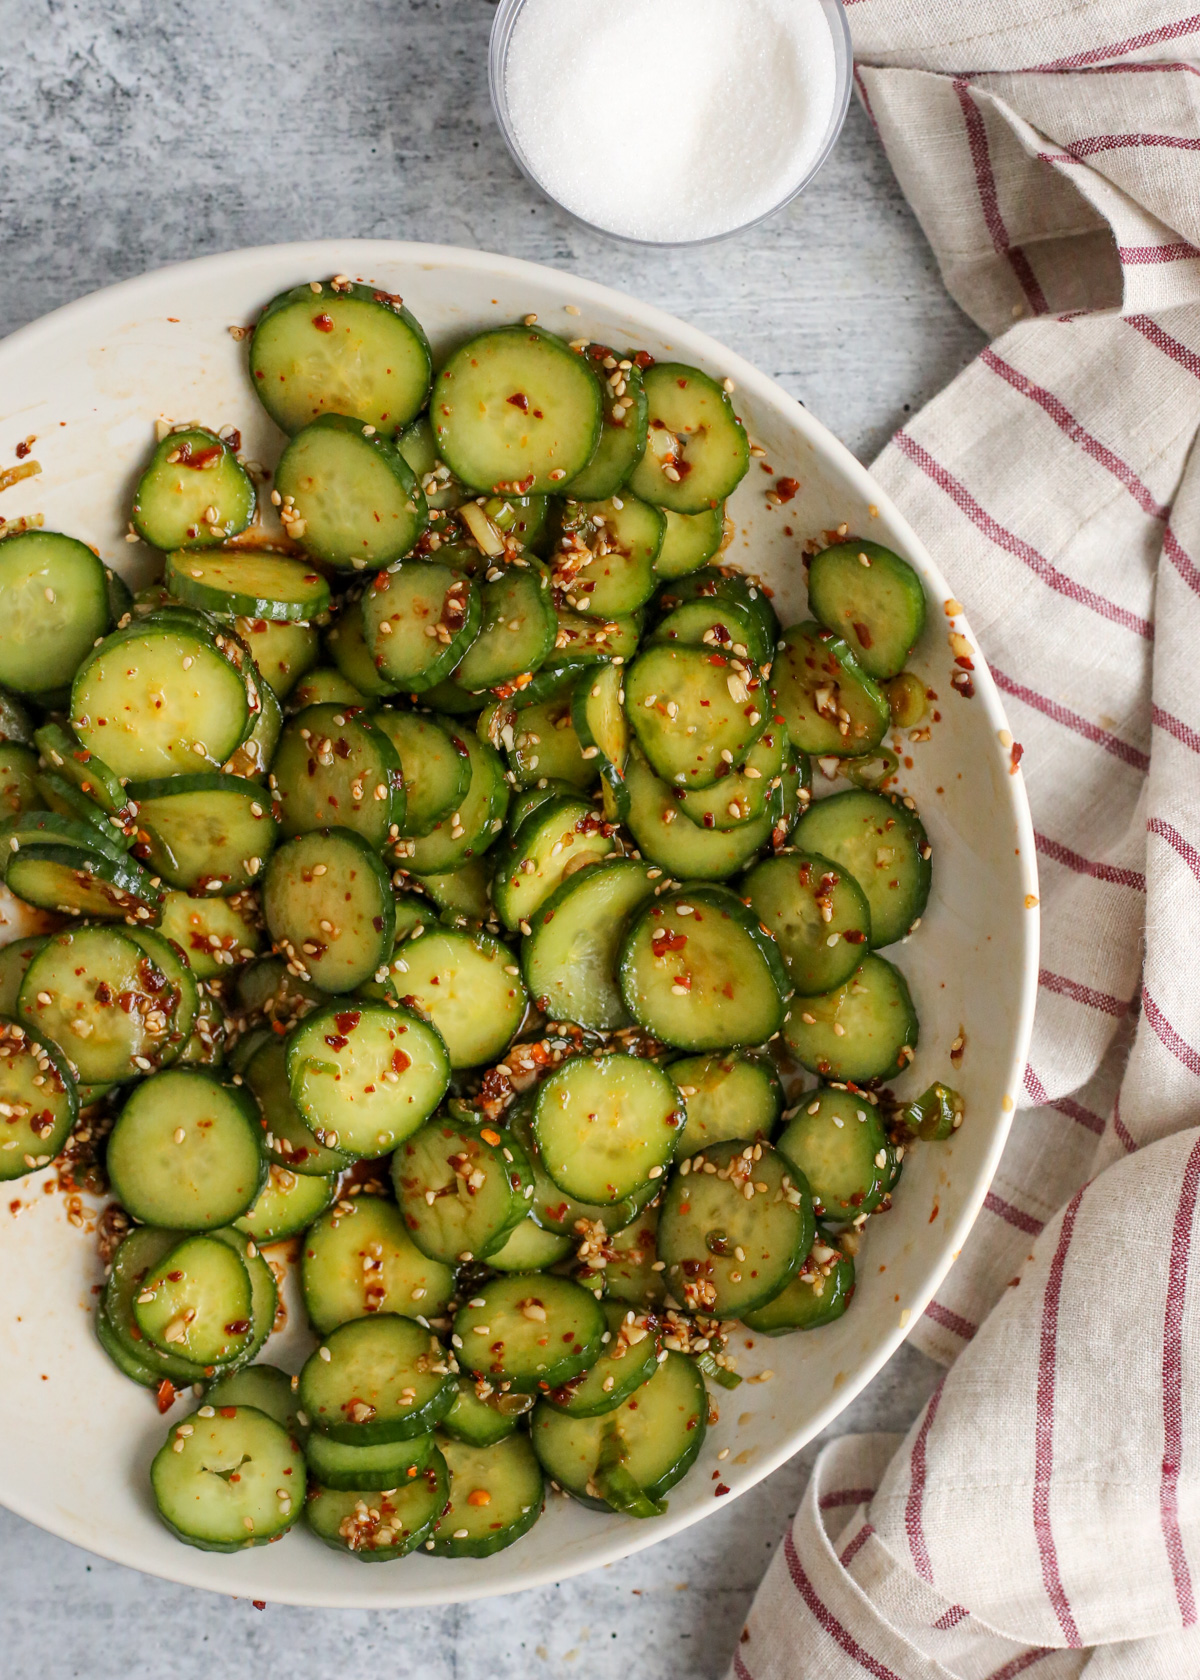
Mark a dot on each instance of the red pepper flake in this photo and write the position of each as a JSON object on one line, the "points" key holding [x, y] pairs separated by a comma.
{"points": [[323, 323], [164, 1394], [519, 400], [24, 447], [346, 1022], [401, 1061], [719, 1490], [228, 1411], [1015, 757], [643, 360], [863, 634], [786, 488], [261, 1603]]}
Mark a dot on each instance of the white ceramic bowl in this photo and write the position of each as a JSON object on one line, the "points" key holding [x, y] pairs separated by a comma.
{"points": [[90, 381]]}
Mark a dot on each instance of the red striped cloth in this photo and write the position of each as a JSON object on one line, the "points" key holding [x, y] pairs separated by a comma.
{"points": [[1043, 1515]]}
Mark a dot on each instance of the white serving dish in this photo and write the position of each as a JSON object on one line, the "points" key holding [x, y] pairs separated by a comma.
{"points": [[90, 382]]}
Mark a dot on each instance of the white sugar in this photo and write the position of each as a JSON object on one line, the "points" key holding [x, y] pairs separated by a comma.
{"points": [[670, 119]]}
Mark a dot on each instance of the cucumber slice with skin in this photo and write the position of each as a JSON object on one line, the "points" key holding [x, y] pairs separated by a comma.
{"points": [[724, 585], [324, 685], [544, 742], [442, 490], [140, 1251], [604, 560], [630, 1358], [348, 496], [213, 933], [288, 1139], [623, 436], [744, 794], [480, 812], [463, 895], [344, 348], [19, 789], [516, 411], [128, 1364], [869, 595], [220, 1490], [435, 764], [185, 707], [418, 621], [193, 494], [675, 843], [528, 1248], [328, 905], [531, 1329], [719, 624], [283, 651], [878, 1023], [382, 1469], [461, 1189], [697, 452], [267, 586], [707, 1218], [196, 1302], [377, 1380], [35, 1119], [102, 1000], [286, 1205], [67, 756], [55, 606], [691, 541], [817, 914], [180, 978], [516, 633], [333, 768], [207, 1179], [15, 958], [51, 828], [355, 663], [698, 972], [358, 1259], [496, 1495], [481, 1415], [719, 699], [588, 640], [78, 882], [606, 1126], [371, 1074], [830, 705], [562, 834], [15, 722], [570, 957], [379, 1527], [49, 791], [551, 1208], [879, 840], [629, 1276], [837, 1140], [599, 721], [658, 1434], [736, 1095], [468, 985], [253, 758], [264, 1291], [266, 1388], [525, 803], [814, 1297], [209, 831]]}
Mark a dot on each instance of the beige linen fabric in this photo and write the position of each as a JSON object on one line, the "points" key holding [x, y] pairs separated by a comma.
{"points": [[1043, 1515]]}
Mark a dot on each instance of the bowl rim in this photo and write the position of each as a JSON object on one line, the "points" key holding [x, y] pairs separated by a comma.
{"points": [[344, 255]]}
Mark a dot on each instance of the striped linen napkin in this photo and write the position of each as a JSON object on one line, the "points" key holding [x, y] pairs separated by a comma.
{"points": [[1043, 1515]]}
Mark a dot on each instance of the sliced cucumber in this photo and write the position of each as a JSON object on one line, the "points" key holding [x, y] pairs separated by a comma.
{"points": [[654, 1439], [829, 703], [721, 624], [531, 1329], [255, 586], [228, 1479], [214, 933], [698, 971], [38, 1100], [633, 1274], [879, 840], [528, 1248], [737, 1095], [623, 437], [78, 881], [208, 831], [630, 1358], [436, 765], [266, 1388], [418, 620], [674, 842], [129, 1365], [196, 1302], [289, 1140], [570, 957], [377, 1380], [697, 452], [553, 1210], [345, 349], [348, 496], [481, 1415], [461, 1189], [347, 647], [480, 817], [517, 630], [359, 1259], [691, 541], [817, 914], [55, 606], [15, 958], [818, 1295], [606, 1126], [15, 722], [587, 640], [287, 1204], [544, 742], [184, 1152], [46, 790], [283, 651], [318, 687], [102, 1000], [371, 1075], [194, 493], [516, 410], [495, 1497], [65, 754], [837, 1140], [416, 443], [865, 1029], [253, 758], [869, 595], [744, 794], [19, 780], [382, 1469], [463, 896], [162, 699], [140, 1251], [725, 584], [328, 904], [562, 835], [736, 1225], [378, 1527], [171, 960], [694, 712], [606, 553], [598, 717], [334, 769], [468, 985], [264, 1292]]}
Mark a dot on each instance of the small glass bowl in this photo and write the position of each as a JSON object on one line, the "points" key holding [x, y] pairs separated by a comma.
{"points": [[503, 24]]}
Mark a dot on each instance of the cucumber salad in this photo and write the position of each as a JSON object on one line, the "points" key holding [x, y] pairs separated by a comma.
{"points": [[431, 884]]}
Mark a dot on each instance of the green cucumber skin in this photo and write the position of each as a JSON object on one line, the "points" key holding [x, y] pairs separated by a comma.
{"points": [[234, 500], [338, 540], [837, 580]]}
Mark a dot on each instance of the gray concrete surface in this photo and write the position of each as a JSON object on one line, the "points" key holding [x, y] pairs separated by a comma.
{"points": [[133, 134]]}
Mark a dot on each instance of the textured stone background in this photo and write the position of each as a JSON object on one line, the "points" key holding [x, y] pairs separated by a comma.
{"points": [[136, 133]]}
